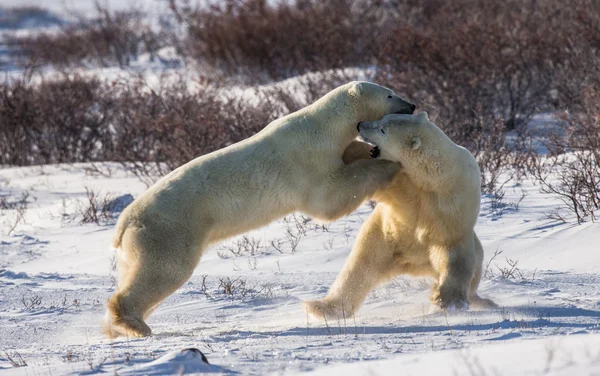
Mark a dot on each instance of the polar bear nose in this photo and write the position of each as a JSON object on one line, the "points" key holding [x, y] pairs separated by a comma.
{"points": [[412, 108], [358, 126]]}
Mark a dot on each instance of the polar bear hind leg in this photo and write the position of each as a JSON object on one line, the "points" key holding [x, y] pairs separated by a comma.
{"points": [[455, 267], [146, 281]]}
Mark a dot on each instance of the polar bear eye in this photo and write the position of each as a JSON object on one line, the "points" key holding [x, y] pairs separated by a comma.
{"points": [[382, 131], [389, 97]]}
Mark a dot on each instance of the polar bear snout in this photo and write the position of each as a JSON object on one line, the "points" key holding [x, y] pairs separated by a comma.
{"points": [[409, 111], [363, 125], [400, 105]]}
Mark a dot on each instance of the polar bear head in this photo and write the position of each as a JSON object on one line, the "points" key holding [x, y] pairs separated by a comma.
{"points": [[373, 101], [424, 151]]}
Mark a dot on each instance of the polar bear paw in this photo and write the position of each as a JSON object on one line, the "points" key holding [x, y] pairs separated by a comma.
{"points": [[383, 171], [451, 303], [324, 310]]}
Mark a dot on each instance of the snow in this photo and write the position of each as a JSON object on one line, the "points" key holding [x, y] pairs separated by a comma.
{"points": [[576, 355], [67, 8], [55, 275]]}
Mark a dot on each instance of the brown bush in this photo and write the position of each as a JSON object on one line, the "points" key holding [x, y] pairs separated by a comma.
{"points": [[152, 131], [480, 68], [483, 68], [264, 40], [109, 38], [571, 170], [173, 125], [54, 122], [474, 59]]}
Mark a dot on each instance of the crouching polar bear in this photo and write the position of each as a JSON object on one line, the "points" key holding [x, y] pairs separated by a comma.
{"points": [[423, 222], [293, 164]]}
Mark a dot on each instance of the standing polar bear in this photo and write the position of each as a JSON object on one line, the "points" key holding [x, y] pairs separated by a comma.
{"points": [[293, 164], [423, 223]]}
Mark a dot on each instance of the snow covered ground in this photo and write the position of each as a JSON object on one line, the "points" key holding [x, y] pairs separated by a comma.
{"points": [[55, 275]]}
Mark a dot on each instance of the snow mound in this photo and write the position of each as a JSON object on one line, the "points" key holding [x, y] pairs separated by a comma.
{"points": [[180, 362]]}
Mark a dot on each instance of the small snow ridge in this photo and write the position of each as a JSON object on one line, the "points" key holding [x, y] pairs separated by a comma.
{"points": [[119, 204], [27, 17], [180, 362], [12, 275], [506, 336]]}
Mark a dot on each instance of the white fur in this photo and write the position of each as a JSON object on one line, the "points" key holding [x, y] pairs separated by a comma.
{"points": [[293, 164], [422, 225]]}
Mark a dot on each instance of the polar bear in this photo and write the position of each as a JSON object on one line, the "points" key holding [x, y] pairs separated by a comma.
{"points": [[423, 222], [293, 164]]}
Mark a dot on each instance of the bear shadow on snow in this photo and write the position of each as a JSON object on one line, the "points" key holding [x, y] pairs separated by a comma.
{"points": [[552, 316]]}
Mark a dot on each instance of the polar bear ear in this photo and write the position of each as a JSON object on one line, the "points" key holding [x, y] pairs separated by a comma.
{"points": [[356, 90], [415, 143], [423, 115]]}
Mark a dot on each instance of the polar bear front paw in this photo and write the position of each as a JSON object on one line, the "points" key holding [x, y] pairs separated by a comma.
{"points": [[451, 303], [382, 171], [321, 309]]}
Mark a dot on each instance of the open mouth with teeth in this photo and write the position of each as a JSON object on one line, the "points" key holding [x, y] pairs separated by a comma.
{"points": [[375, 151]]}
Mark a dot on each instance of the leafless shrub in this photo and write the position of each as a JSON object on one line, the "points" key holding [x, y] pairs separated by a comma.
{"points": [[160, 130], [31, 303], [252, 263], [61, 121], [571, 171], [293, 238], [108, 38], [97, 208], [65, 215], [299, 222], [113, 262], [246, 246], [94, 367], [204, 287], [19, 208], [556, 215], [480, 61], [70, 357], [75, 119], [329, 243], [499, 204], [277, 244], [18, 219], [509, 271], [15, 359], [480, 69], [251, 38], [5, 204], [97, 169], [237, 288]]}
